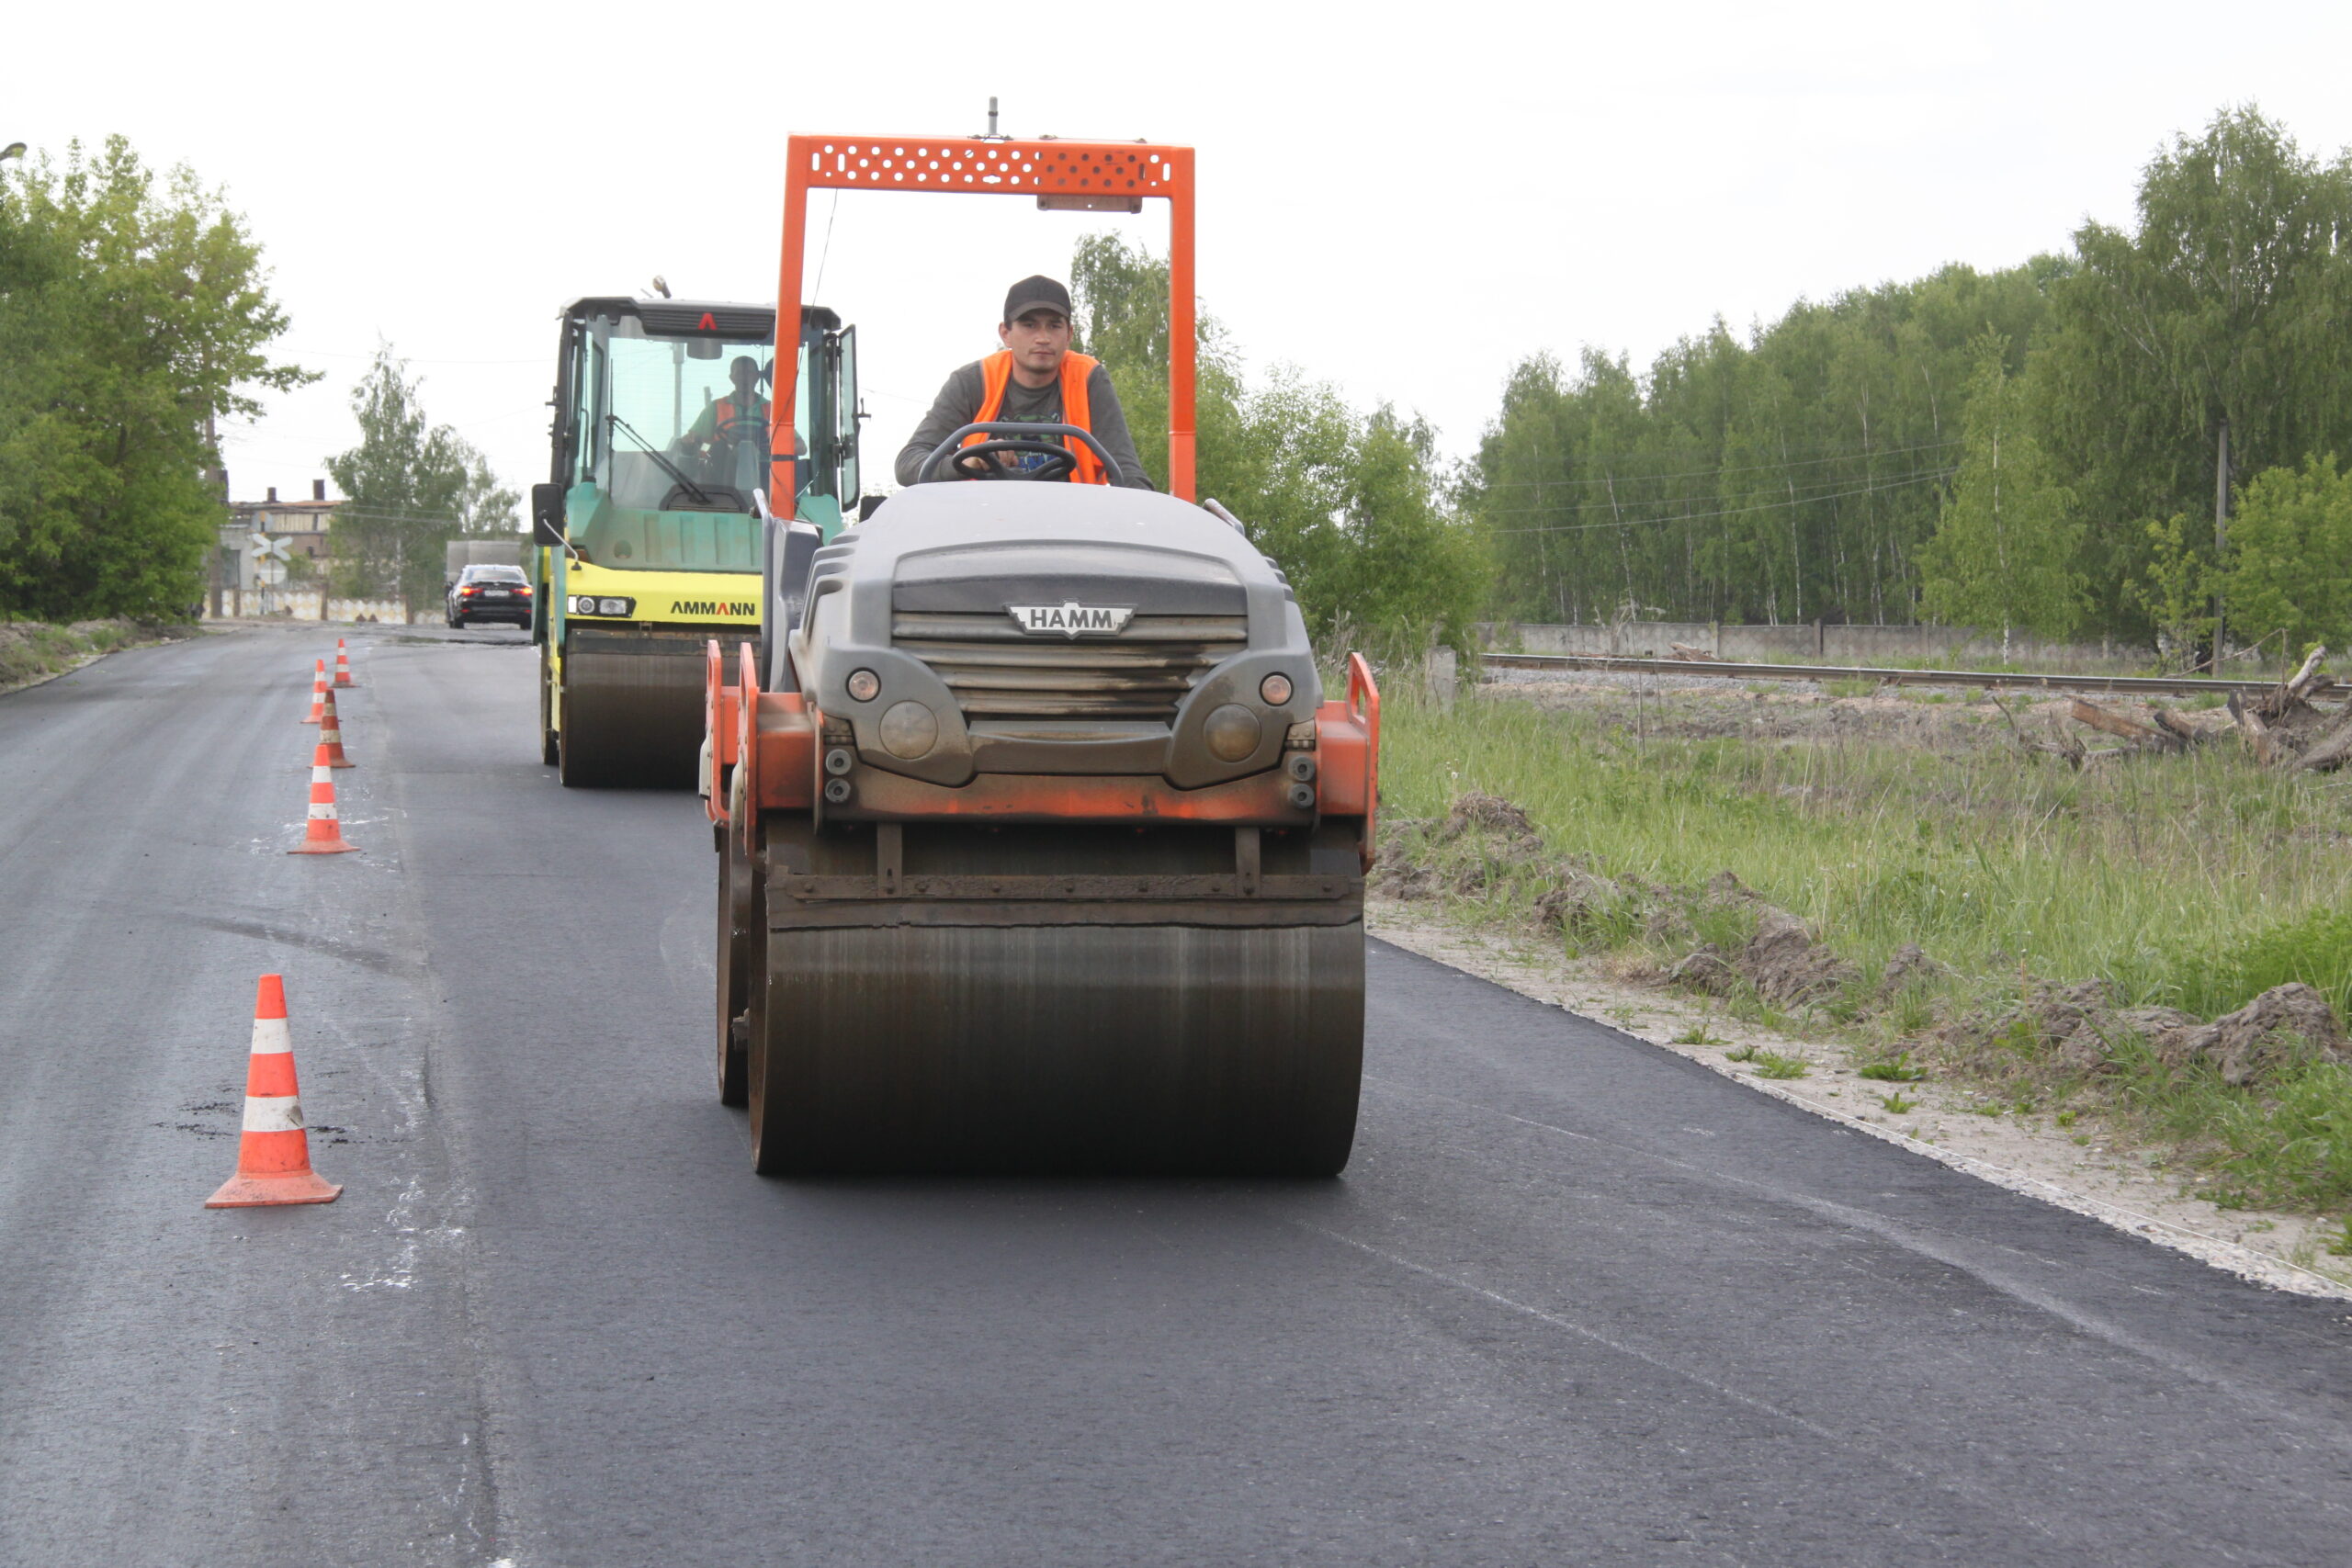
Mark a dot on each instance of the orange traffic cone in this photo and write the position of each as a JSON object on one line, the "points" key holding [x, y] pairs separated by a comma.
{"points": [[273, 1152], [331, 736], [324, 835], [318, 693], [343, 665]]}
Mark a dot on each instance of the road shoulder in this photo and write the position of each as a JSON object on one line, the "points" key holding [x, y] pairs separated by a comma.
{"points": [[2026, 1154]]}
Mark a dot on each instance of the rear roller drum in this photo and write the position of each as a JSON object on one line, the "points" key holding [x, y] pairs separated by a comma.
{"points": [[1153, 1048]]}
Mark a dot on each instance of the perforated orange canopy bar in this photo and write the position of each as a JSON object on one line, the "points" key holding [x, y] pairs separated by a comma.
{"points": [[976, 166]]}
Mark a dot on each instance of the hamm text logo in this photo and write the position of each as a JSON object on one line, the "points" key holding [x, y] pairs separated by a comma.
{"points": [[1071, 620], [711, 607]]}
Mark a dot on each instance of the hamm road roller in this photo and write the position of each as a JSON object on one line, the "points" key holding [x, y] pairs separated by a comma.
{"points": [[1040, 848], [648, 532]]}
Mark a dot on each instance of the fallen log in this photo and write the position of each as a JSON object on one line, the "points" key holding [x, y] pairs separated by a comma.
{"points": [[2296, 689], [2256, 734], [2332, 746], [2122, 729], [2180, 729]]}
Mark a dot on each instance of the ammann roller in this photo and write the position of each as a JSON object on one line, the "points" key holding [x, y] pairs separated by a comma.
{"points": [[649, 534], [1040, 848]]}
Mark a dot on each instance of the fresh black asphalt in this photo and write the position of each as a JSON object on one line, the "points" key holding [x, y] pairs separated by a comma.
{"points": [[1575, 1301]]}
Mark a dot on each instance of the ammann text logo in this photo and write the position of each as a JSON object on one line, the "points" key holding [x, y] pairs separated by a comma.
{"points": [[712, 607]]}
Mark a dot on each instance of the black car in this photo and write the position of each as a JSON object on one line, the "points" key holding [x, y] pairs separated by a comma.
{"points": [[490, 593]]}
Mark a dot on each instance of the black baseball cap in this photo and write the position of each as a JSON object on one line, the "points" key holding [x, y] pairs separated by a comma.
{"points": [[1036, 293]]}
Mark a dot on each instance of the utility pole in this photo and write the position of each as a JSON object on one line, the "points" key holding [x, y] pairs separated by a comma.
{"points": [[2221, 531]]}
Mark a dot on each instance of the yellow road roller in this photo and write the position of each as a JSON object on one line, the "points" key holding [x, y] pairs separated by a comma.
{"points": [[649, 534]]}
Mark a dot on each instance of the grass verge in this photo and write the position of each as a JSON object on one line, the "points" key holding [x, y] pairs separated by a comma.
{"points": [[34, 650], [1964, 912]]}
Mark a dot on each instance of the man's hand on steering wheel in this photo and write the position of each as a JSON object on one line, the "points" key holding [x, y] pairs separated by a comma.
{"points": [[988, 460]]}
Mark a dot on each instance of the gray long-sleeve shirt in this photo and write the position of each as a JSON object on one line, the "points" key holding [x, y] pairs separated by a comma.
{"points": [[958, 404]]}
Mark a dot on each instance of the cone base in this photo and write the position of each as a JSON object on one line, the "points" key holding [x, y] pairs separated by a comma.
{"points": [[346, 685], [312, 719], [264, 1192], [332, 847], [340, 762]]}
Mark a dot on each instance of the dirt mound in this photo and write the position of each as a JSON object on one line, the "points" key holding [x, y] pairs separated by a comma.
{"points": [[2284, 1025], [1706, 969], [1787, 964], [1781, 961], [1582, 901], [1910, 963], [1480, 812]]}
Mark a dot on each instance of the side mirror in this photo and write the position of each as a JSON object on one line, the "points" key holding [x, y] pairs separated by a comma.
{"points": [[868, 504], [546, 514]]}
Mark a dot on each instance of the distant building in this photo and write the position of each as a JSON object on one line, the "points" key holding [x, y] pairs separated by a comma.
{"points": [[301, 524]]}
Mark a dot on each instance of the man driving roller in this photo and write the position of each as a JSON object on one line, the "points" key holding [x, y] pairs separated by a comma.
{"points": [[1033, 379], [717, 420]]}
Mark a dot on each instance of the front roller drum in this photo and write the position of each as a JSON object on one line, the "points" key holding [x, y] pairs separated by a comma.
{"points": [[632, 719], [1128, 1048]]}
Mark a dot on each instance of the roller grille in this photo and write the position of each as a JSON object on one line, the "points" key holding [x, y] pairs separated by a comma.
{"points": [[996, 670]]}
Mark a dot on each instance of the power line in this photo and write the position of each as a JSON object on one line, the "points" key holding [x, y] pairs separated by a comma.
{"points": [[1904, 483], [1524, 508], [1839, 455]]}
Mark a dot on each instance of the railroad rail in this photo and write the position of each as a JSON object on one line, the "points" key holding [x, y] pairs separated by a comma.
{"points": [[2120, 684]]}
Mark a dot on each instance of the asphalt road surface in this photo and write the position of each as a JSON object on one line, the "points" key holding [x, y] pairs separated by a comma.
{"points": [[1575, 1301]]}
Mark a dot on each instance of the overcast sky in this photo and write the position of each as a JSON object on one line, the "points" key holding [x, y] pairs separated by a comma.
{"points": [[1403, 201]]}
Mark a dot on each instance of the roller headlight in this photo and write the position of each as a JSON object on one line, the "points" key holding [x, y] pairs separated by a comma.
{"points": [[615, 606], [1276, 689], [1232, 733], [909, 729], [863, 685], [589, 605]]}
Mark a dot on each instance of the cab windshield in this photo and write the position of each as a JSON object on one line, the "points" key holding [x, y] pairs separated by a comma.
{"points": [[687, 415]]}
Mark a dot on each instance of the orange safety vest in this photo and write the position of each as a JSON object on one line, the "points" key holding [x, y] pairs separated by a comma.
{"points": [[996, 375], [724, 410]]}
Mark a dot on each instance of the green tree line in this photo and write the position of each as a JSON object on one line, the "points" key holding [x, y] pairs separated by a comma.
{"points": [[2031, 449], [134, 309]]}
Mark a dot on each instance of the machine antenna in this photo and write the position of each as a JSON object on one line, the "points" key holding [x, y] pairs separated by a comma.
{"points": [[991, 136]]}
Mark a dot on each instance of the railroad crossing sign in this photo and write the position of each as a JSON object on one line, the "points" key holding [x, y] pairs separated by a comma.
{"points": [[269, 559]]}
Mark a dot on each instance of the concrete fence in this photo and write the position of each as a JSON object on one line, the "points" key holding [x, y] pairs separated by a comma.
{"points": [[1815, 643], [305, 604]]}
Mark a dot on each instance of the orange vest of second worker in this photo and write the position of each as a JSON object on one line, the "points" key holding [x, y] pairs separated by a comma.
{"points": [[996, 374]]}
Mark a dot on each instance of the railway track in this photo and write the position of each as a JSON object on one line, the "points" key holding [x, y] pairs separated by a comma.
{"points": [[2120, 684]]}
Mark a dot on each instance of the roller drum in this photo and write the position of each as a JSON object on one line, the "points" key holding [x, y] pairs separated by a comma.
{"points": [[632, 711], [1204, 1049]]}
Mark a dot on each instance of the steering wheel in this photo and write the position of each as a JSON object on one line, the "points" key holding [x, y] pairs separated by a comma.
{"points": [[741, 427], [1014, 435], [978, 461]]}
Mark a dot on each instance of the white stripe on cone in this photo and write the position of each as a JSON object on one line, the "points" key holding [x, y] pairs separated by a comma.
{"points": [[323, 811], [270, 1034], [322, 775], [273, 1113]]}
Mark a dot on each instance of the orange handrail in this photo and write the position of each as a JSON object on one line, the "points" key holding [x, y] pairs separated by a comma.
{"points": [[1102, 171], [1361, 685], [747, 731]]}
